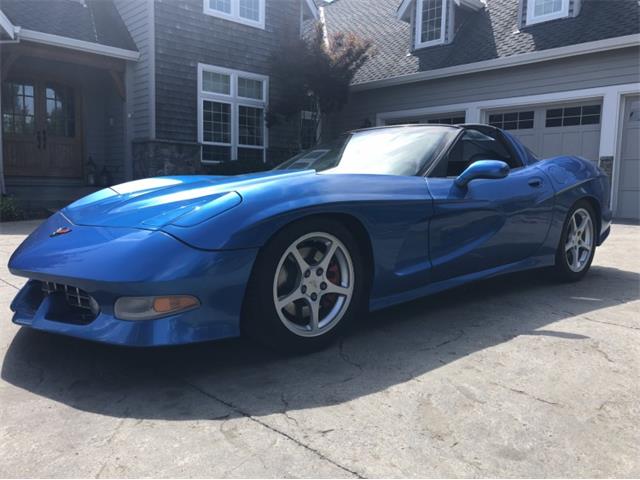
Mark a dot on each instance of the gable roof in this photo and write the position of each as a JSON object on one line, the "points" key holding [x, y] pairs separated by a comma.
{"points": [[489, 34], [94, 21]]}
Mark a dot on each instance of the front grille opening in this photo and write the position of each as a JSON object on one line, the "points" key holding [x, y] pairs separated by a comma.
{"points": [[70, 304]]}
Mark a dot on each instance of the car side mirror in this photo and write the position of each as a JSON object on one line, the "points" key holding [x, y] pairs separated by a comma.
{"points": [[491, 169]]}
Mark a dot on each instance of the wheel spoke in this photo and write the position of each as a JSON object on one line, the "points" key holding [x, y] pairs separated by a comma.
{"points": [[569, 245], [288, 299], [576, 257], [583, 224], [339, 289], [574, 227], [302, 263], [314, 317], [331, 251]]}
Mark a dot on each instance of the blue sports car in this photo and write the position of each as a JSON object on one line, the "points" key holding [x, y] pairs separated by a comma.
{"points": [[291, 256]]}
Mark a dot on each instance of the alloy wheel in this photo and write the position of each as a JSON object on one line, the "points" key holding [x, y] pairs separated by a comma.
{"points": [[313, 284], [579, 244]]}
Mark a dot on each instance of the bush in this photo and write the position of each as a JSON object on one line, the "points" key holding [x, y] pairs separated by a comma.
{"points": [[9, 210]]}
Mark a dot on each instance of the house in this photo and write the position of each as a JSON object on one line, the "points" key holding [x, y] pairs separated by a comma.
{"points": [[562, 75], [103, 91]]}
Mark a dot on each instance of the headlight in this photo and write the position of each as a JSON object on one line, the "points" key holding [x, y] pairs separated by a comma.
{"points": [[148, 308]]}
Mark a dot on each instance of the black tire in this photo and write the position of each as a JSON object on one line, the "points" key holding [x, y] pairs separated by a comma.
{"points": [[563, 270], [261, 320]]}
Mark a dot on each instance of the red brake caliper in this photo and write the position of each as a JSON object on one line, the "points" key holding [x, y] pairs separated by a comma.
{"points": [[333, 275]]}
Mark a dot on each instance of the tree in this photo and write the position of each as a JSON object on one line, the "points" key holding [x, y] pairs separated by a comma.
{"points": [[318, 69]]}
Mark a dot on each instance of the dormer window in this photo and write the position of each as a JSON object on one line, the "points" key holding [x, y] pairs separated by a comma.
{"points": [[544, 10], [430, 22], [434, 21]]}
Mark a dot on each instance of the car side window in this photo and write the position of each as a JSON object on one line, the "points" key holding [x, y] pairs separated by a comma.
{"points": [[471, 147]]}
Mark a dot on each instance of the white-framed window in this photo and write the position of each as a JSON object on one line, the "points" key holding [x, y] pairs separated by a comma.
{"points": [[431, 21], [249, 12], [231, 114], [544, 10]]}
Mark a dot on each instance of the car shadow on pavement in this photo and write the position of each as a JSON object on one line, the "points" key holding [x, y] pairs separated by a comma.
{"points": [[386, 348]]}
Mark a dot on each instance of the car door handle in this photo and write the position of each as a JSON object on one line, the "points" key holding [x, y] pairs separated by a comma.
{"points": [[535, 182]]}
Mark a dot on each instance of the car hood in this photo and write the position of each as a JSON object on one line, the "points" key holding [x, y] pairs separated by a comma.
{"points": [[183, 201]]}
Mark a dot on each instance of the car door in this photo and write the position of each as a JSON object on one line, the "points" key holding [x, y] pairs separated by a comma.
{"points": [[490, 222]]}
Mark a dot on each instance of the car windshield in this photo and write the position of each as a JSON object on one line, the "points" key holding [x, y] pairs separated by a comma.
{"points": [[382, 151]]}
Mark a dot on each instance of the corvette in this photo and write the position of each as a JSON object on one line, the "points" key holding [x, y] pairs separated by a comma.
{"points": [[292, 256]]}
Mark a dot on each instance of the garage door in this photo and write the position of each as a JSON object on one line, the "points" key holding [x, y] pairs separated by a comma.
{"points": [[551, 130], [451, 118], [629, 179]]}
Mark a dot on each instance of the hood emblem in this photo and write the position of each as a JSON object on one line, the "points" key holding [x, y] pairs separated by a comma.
{"points": [[60, 231]]}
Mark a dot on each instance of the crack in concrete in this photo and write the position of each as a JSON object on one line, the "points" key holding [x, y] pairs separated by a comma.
{"points": [[457, 337], [250, 417], [609, 323], [596, 347], [9, 283], [108, 442], [527, 394], [285, 411]]}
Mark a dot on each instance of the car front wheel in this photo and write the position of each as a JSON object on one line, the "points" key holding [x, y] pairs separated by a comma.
{"points": [[306, 287]]}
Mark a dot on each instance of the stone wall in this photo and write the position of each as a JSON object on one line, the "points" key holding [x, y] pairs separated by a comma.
{"points": [[153, 158]]}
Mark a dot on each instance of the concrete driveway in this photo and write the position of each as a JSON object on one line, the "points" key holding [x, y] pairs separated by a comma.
{"points": [[514, 377]]}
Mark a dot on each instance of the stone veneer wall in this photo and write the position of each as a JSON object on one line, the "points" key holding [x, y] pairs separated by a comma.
{"points": [[153, 158]]}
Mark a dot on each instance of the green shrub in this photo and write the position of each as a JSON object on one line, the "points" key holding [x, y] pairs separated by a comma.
{"points": [[9, 210]]}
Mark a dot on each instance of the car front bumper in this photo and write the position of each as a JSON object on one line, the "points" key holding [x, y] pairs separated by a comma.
{"points": [[109, 263]]}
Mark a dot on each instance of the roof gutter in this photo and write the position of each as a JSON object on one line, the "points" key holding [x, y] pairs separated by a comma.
{"points": [[17, 34], [505, 62], [8, 27]]}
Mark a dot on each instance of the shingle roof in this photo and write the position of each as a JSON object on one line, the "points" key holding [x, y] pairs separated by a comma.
{"points": [[95, 21], [488, 34]]}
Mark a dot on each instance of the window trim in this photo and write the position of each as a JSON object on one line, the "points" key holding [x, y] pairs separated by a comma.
{"points": [[235, 101], [234, 16], [418, 30], [532, 18]]}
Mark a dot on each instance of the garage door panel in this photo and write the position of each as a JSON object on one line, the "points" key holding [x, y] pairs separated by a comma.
{"points": [[629, 174], [590, 145], [628, 204], [551, 145], [529, 140], [630, 143]]}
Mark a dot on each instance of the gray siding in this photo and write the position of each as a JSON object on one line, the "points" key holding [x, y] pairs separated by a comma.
{"points": [[586, 71], [186, 36], [138, 17]]}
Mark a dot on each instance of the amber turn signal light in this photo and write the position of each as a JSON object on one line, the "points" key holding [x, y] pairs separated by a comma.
{"points": [[174, 303]]}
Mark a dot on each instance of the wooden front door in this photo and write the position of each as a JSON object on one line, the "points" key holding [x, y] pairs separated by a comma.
{"points": [[41, 129]]}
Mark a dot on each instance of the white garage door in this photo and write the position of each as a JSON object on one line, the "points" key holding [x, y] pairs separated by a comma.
{"points": [[629, 179], [569, 129], [450, 118]]}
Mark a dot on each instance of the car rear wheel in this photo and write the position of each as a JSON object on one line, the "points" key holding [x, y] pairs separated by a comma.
{"points": [[306, 287], [578, 243]]}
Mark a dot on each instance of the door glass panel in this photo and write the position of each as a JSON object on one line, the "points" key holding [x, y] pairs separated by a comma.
{"points": [[60, 111], [18, 115]]}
